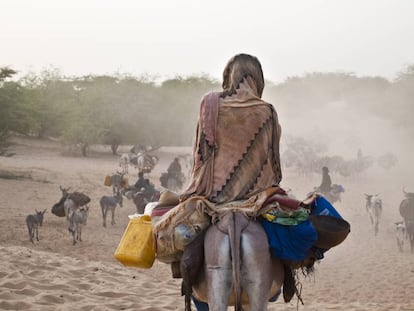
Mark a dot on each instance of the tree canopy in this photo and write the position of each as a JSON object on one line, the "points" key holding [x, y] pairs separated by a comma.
{"points": [[123, 109]]}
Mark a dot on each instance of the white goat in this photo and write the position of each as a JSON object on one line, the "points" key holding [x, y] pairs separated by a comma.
{"points": [[374, 208], [124, 162], [400, 232]]}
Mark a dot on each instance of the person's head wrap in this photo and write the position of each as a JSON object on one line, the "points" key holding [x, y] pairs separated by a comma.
{"points": [[243, 67]]}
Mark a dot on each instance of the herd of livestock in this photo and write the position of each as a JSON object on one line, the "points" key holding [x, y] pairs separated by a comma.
{"points": [[74, 206]]}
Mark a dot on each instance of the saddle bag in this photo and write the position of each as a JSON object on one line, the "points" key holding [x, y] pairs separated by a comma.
{"points": [[332, 229], [79, 198], [178, 227], [58, 210]]}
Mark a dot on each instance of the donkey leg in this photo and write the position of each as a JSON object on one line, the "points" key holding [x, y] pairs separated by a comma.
{"points": [[37, 232], [31, 234], [104, 210], [74, 236], [218, 269], [257, 271], [80, 233]]}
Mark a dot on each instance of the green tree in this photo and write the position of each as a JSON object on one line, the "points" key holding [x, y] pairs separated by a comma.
{"points": [[10, 108], [50, 97]]}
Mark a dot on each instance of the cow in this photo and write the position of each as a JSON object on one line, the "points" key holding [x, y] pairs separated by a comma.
{"points": [[407, 213]]}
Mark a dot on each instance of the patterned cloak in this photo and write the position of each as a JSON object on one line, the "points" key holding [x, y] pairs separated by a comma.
{"points": [[236, 152]]}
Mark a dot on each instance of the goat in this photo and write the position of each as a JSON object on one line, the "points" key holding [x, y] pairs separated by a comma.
{"points": [[109, 204], [78, 219], [374, 208], [124, 162], [33, 222], [400, 231]]}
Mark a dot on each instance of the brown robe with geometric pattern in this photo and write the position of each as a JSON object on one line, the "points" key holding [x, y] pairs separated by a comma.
{"points": [[236, 153]]}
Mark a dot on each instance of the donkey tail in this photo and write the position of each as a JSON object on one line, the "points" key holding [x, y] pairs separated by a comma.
{"points": [[235, 236]]}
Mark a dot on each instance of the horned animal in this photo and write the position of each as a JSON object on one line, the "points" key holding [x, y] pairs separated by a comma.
{"points": [[144, 162], [400, 232], [33, 222], [68, 204], [124, 162], [373, 206], [78, 219], [117, 181], [109, 204], [407, 212]]}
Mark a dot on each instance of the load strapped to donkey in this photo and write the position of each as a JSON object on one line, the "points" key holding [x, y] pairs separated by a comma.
{"points": [[293, 227], [298, 233], [79, 199]]}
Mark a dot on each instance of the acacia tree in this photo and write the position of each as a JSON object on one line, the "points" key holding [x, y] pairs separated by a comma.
{"points": [[12, 109], [180, 104], [13, 112], [51, 97]]}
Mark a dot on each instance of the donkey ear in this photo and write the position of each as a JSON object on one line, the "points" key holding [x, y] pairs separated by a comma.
{"points": [[36, 211], [44, 211]]}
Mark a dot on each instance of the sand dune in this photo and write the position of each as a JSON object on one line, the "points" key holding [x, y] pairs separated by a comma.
{"points": [[366, 272]]}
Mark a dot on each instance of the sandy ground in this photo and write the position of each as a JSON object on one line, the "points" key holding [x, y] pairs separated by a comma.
{"points": [[366, 272]]}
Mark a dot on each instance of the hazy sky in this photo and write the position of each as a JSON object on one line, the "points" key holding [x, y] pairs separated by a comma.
{"points": [[183, 37]]}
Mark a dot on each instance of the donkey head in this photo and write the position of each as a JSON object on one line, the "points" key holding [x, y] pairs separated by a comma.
{"points": [[65, 191], [39, 216]]}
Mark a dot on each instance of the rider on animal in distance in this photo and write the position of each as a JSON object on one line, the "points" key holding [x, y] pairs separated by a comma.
{"points": [[326, 184], [236, 152], [175, 168], [145, 184]]}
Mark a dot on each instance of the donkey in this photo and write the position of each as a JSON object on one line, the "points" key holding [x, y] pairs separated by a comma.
{"points": [[238, 268], [33, 222], [374, 208], [109, 204], [117, 181], [69, 205], [78, 219]]}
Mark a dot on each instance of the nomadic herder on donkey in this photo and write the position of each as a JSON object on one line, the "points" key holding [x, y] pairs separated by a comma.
{"points": [[236, 155]]}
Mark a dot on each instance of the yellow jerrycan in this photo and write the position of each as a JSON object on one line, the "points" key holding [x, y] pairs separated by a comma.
{"points": [[136, 247]]}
